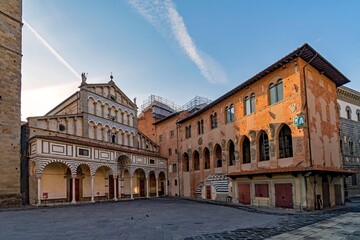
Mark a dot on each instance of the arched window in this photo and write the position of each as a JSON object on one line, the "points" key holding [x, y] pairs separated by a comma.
{"points": [[206, 159], [213, 120], [231, 153], [185, 162], [264, 147], [285, 142], [113, 138], [351, 147], [276, 92], [358, 115], [348, 112], [341, 146], [196, 161], [246, 150], [230, 113], [218, 156]]}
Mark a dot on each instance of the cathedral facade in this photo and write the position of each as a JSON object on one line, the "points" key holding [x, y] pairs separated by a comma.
{"points": [[88, 148]]}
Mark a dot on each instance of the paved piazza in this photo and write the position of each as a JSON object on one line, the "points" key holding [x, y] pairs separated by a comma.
{"points": [[168, 219]]}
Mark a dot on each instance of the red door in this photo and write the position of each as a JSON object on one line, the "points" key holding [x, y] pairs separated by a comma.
{"points": [[208, 192], [284, 195], [77, 189], [244, 193], [111, 187]]}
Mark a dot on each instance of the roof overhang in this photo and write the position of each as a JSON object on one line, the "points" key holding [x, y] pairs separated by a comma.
{"points": [[305, 171]]}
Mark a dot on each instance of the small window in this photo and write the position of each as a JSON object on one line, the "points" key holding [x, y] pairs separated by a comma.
{"points": [[213, 119], [201, 126], [176, 151], [160, 137], [170, 151], [175, 182], [83, 152], [230, 113], [358, 115], [61, 127], [174, 168], [112, 97], [285, 142], [188, 131], [152, 161], [250, 104], [172, 134]]}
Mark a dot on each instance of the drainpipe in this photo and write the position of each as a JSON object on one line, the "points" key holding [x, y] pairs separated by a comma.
{"points": [[307, 110]]}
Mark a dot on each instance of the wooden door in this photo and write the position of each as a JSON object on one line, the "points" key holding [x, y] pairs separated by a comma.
{"points": [[77, 189], [142, 188], [284, 195], [338, 195], [208, 192], [326, 194], [244, 193], [111, 187]]}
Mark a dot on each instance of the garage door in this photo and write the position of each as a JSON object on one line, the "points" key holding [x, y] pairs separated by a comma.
{"points": [[284, 195], [244, 193]]}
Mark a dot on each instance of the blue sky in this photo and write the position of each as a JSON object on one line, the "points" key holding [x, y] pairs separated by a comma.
{"points": [[175, 49]]}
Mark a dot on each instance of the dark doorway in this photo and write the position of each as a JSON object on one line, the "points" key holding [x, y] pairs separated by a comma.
{"points": [[325, 191], [208, 192]]}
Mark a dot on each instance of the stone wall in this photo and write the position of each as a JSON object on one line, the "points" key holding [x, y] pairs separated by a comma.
{"points": [[10, 78]]}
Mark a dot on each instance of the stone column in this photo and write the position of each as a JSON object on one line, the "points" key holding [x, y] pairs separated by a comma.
{"points": [[92, 188], [157, 185], [147, 186], [67, 125], [115, 188], [73, 177], [119, 187], [39, 190], [95, 108], [131, 187]]}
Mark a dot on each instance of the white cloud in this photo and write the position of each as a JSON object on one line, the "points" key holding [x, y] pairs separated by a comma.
{"points": [[166, 19]]}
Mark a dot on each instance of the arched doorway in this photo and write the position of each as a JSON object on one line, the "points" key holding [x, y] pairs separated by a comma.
{"points": [[139, 181], [103, 189], [152, 184], [185, 163], [55, 183], [82, 183]]}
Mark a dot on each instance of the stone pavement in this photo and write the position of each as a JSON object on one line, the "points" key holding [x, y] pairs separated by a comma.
{"points": [[139, 219], [174, 219], [346, 226]]}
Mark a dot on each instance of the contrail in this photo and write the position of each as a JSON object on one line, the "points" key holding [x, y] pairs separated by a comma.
{"points": [[52, 50], [167, 20]]}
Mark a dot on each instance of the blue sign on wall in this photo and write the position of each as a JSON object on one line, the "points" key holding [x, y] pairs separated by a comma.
{"points": [[299, 121]]}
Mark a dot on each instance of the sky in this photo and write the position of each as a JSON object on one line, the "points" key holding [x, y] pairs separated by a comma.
{"points": [[175, 49]]}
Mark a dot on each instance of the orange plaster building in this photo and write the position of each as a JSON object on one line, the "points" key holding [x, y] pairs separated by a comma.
{"points": [[274, 139]]}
